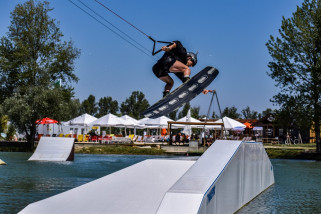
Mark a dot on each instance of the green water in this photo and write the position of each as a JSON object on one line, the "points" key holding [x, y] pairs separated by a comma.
{"points": [[297, 188]]}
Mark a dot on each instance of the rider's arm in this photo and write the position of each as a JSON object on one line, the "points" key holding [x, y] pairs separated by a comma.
{"points": [[169, 48]]}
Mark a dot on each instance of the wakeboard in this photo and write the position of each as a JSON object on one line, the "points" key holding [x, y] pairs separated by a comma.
{"points": [[183, 94]]}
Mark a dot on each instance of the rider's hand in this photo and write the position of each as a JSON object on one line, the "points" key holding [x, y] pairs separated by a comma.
{"points": [[205, 91], [165, 48]]}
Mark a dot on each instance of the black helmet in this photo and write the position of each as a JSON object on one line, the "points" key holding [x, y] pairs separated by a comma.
{"points": [[193, 57]]}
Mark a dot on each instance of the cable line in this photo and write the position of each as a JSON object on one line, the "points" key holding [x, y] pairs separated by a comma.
{"points": [[121, 18], [111, 29], [114, 26], [153, 52]]}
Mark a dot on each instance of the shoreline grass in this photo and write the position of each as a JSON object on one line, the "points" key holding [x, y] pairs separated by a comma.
{"points": [[119, 149], [298, 151], [275, 151]]}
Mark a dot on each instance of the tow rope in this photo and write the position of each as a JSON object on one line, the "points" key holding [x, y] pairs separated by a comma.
{"points": [[148, 36]]}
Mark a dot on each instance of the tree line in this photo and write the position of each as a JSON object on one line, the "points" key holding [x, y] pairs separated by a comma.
{"points": [[137, 103]]}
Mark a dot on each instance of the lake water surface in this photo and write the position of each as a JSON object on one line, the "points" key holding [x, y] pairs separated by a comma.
{"points": [[297, 187]]}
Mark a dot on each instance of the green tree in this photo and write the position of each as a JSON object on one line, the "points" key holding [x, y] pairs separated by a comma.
{"points": [[248, 114], [134, 105], [11, 132], [107, 105], [89, 106], [268, 111], [32, 58], [195, 112], [173, 114], [296, 65], [214, 115], [184, 111], [231, 112], [3, 121]]}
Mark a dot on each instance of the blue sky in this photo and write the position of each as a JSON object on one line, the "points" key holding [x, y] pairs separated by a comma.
{"points": [[229, 35]]}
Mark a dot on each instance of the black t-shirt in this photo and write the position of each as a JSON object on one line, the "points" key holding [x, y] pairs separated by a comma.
{"points": [[179, 52]]}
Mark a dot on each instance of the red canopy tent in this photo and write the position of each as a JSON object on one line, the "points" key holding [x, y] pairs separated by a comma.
{"points": [[46, 120], [43, 121]]}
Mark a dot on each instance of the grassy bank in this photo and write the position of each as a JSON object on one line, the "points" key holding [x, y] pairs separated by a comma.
{"points": [[16, 149], [280, 151], [119, 149], [277, 151], [299, 151]]}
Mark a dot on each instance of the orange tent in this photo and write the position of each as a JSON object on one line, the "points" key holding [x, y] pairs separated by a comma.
{"points": [[164, 132], [248, 125]]}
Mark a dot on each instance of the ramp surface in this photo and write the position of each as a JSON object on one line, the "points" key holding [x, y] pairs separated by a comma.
{"points": [[54, 149], [135, 189]]}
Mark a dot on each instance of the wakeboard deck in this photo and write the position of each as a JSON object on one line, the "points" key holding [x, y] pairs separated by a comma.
{"points": [[183, 94]]}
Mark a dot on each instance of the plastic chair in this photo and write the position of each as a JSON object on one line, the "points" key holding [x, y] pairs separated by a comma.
{"points": [[94, 138], [80, 138]]}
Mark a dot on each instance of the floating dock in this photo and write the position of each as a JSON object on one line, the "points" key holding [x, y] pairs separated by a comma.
{"points": [[54, 149], [226, 177]]}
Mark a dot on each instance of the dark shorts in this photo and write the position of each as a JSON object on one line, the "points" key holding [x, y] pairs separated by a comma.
{"points": [[161, 68]]}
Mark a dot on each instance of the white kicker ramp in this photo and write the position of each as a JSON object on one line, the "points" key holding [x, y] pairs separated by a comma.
{"points": [[136, 189], [54, 149], [226, 177]]}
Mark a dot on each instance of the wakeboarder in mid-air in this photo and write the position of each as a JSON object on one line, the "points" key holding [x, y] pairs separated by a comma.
{"points": [[175, 60]]}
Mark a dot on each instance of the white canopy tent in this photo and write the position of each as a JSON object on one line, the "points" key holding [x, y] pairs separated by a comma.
{"points": [[143, 121], [186, 119], [82, 120], [160, 122], [78, 125], [133, 123], [110, 120], [230, 123], [130, 120], [187, 128]]}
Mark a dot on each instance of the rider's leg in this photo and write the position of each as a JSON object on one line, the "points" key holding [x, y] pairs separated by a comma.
{"points": [[169, 84], [181, 67]]}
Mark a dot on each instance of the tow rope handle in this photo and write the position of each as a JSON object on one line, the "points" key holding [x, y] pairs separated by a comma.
{"points": [[156, 52]]}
